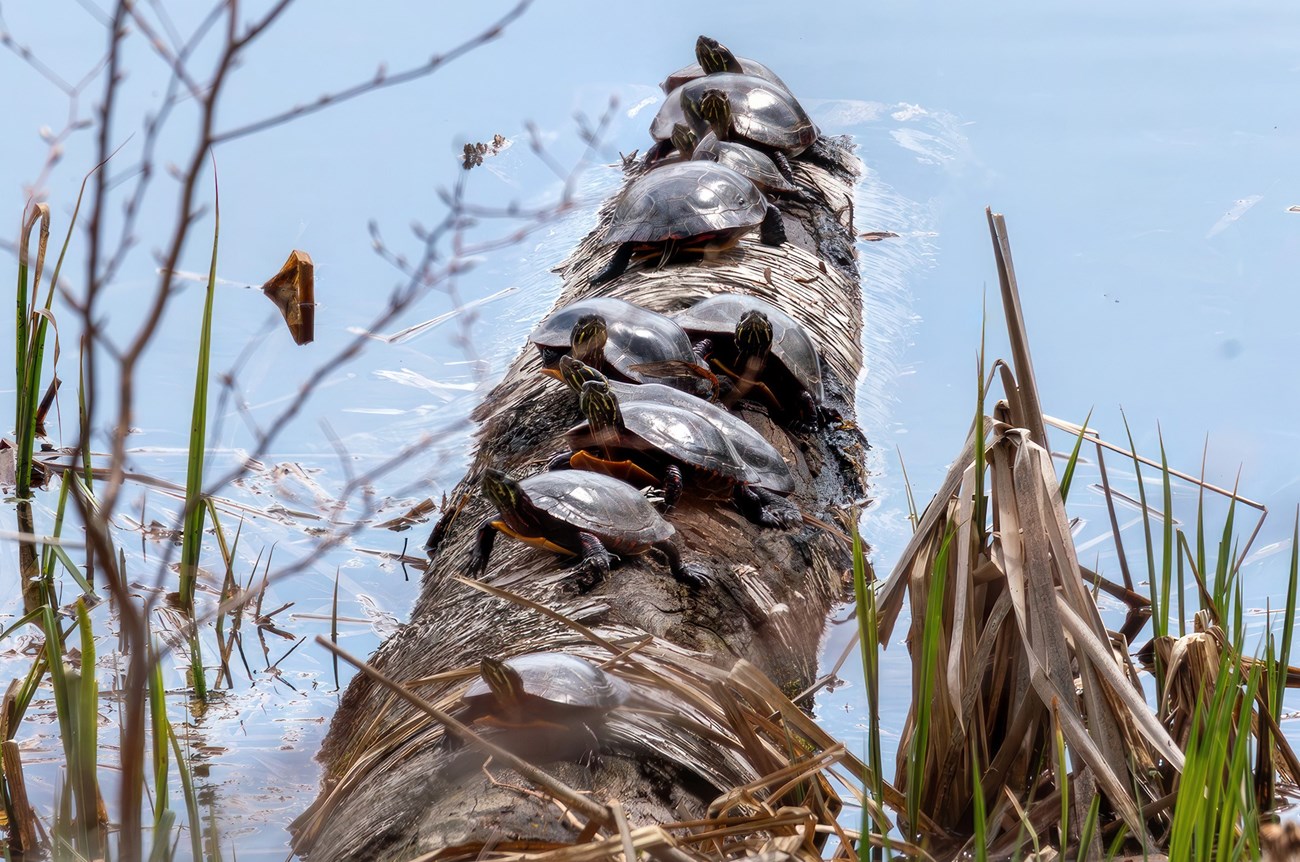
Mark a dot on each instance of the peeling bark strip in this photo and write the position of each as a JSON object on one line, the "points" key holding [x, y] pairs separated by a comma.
{"points": [[392, 789]]}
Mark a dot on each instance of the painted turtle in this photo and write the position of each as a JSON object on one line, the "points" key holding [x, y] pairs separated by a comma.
{"points": [[553, 704], [760, 347], [687, 207], [654, 440], [578, 514], [768, 465], [541, 688], [617, 337], [755, 165], [763, 115], [711, 56]]}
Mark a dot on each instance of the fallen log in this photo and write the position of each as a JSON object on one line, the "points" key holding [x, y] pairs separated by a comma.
{"points": [[394, 788]]}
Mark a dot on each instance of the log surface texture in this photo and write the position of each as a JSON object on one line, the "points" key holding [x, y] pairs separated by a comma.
{"points": [[391, 788]]}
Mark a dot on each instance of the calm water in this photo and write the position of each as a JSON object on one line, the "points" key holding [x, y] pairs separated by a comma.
{"points": [[1145, 158]]}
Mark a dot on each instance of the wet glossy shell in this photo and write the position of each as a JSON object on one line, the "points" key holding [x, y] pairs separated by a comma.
{"points": [[683, 435], [747, 66], [717, 316], [748, 161], [768, 468], [636, 335], [760, 112], [686, 199], [556, 686], [612, 511]]}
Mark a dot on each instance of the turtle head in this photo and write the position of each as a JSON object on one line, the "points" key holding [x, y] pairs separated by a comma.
{"points": [[684, 139], [575, 372], [599, 404], [753, 334], [502, 490], [713, 56], [588, 338], [715, 109], [506, 684]]}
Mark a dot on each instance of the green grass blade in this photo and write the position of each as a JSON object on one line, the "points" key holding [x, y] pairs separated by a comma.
{"points": [[921, 698], [869, 642], [187, 791], [195, 511], [1167, 539], [1288, 620], [1067, 475]]}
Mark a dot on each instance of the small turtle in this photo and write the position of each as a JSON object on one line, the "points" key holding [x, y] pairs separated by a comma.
{"points": [[617, 337], [711, 56], [763, 115], [770, 468], [654, 440], [552, 703], [765, 351], [686, 208], [757, 166], [578, 514]]}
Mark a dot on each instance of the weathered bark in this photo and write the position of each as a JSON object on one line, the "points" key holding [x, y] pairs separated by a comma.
{"points": [[392, 789]]}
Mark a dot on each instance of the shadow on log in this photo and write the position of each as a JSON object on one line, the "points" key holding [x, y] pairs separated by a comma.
{"points": [[395, 790]]}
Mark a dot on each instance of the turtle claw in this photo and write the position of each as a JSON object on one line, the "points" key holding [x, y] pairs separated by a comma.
{"points": [[594, 565], [772, 230], [693, 576]]}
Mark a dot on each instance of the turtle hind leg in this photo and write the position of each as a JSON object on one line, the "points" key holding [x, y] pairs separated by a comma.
{"points": [[617, 265], [767, 509], [782, 165], [772, 230], [593, 562], [693, 577]]}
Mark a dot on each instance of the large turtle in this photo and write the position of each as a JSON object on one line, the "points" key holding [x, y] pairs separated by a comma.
{"points": [[764, 115], [677, 445], [553, 704], [686, 208], [711, 56], [577, 514], [767, 464], [765, 351], [617, 337]]}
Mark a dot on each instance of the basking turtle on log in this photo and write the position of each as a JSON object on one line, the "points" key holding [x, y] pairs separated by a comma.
{"points": [[669, 439], [618, 338], [764, 351], [576, 514], [686, 208], [711, 56], [547, 705], [756, 166]]}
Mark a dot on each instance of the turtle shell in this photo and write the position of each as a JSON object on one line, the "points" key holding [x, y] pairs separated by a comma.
{"points": [[557, 687], [716, 317], [767, 468], [686, 199], [752, 163], [747, 67], [680, 434], [761, 112], [635, 335], [611, 510]]}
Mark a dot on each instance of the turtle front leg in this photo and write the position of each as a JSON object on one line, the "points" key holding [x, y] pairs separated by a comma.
{"points": [[617, 265], [657, 152], [478, 557], [703, 348], [693, 577], [673, 486], [772, 230], [593, 564], [766, 508]]}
